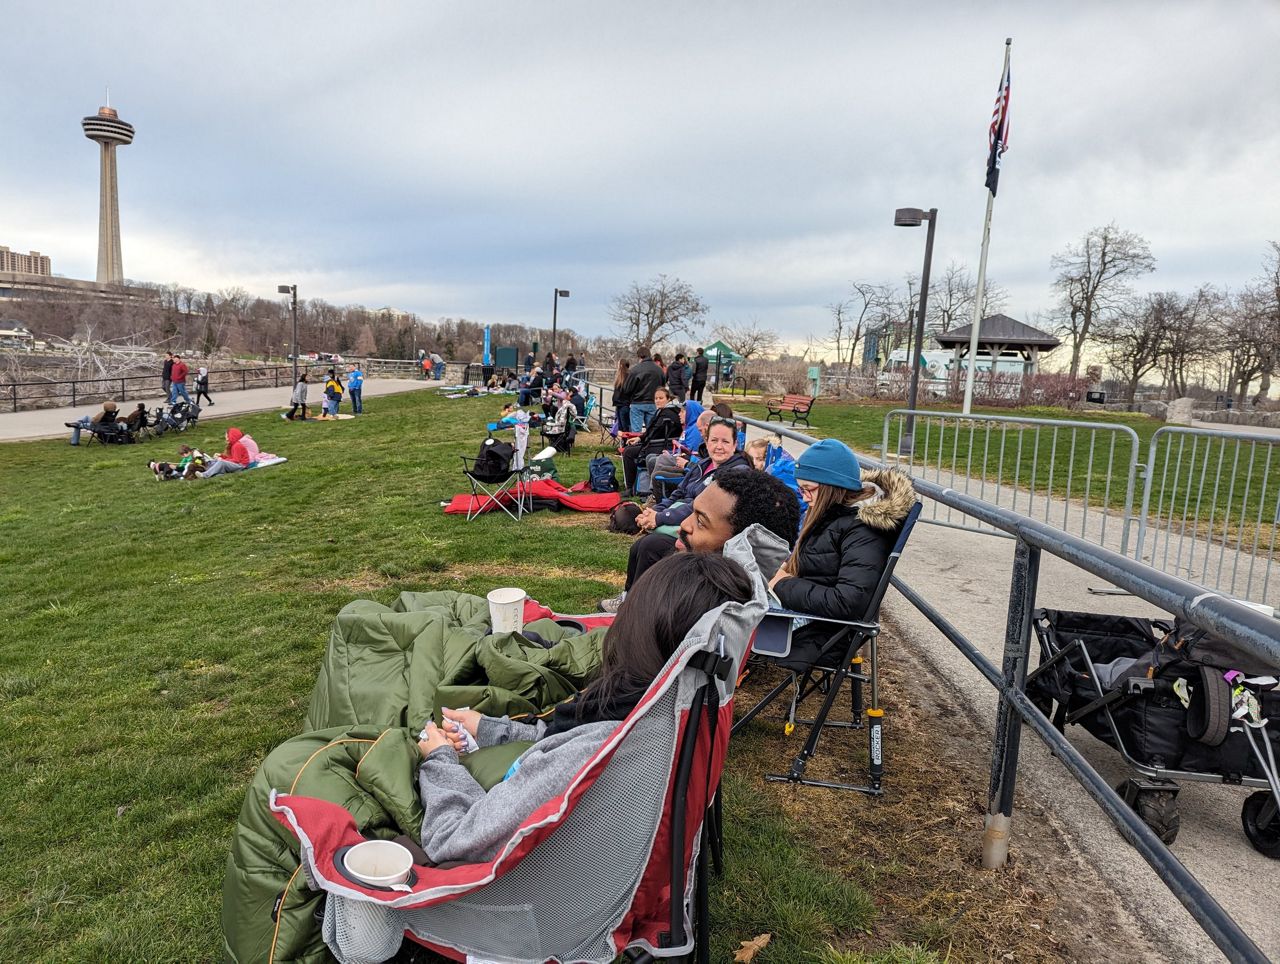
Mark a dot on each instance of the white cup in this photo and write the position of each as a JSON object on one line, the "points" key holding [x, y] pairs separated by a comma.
{"points": [[379, 863], [506, 610]]}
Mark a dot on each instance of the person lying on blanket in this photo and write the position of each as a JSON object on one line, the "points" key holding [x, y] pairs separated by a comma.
{"points": [[462, 821]]}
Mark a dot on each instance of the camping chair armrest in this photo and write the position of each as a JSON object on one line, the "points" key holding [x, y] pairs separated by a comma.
{"points": [[865, 626]]}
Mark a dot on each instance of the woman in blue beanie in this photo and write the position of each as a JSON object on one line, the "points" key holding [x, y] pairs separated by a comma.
{"points": [[848, 533]]}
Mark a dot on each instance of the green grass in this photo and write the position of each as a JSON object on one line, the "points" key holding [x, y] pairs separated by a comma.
{"points": [[161, 638]]}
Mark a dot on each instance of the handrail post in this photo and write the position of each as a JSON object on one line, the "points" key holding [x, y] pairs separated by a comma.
{"points": [[1004, 757], [73, 393]]}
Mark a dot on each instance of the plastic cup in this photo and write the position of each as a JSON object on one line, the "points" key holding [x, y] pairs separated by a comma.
{"points": [[506, 610], [379, 863]]}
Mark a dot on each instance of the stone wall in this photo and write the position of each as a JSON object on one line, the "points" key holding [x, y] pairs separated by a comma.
{"points": [[1235, 417]]}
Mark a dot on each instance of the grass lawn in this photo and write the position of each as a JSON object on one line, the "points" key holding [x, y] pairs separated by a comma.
{"points": [[162, 638]]}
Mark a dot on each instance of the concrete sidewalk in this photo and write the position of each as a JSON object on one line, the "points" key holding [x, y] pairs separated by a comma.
{"points": [[966, 575], [50, 422]]}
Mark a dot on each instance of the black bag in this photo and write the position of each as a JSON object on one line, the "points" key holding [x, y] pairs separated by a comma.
{"points": [[623, 518], [602, 474], [493, 464]]}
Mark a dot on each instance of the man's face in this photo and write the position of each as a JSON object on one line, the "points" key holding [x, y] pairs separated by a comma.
{"points": [[707, 528]]}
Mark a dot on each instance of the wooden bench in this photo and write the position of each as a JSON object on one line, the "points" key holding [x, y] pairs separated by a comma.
{"points": [[797, 406]]}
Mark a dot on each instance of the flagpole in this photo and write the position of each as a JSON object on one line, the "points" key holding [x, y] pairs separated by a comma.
{"points": [[980, 292]]}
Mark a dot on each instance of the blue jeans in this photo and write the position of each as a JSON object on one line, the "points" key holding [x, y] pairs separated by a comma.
{"points": [[357, 399], [79, 427], [638, 412], [176, 389], [438, 373], [623, 417]]}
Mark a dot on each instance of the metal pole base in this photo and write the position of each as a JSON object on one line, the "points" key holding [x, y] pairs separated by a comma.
{"points": [[796, 778], [995, 841]]}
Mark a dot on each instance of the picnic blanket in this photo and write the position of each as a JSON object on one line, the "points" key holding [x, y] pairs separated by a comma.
{"points": [[546, 495], [386, 670], [265, 460]]}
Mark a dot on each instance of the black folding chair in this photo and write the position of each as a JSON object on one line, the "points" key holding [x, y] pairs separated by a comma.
{"points": [[491, 477], [837, 661]]}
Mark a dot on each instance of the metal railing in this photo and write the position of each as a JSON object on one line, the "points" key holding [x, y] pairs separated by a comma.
{"points": [[1066, 473], [1238, 624], [1211, 509]]}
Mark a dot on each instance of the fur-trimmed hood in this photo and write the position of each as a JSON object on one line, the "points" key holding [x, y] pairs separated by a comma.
{"points": [[889, 509]]}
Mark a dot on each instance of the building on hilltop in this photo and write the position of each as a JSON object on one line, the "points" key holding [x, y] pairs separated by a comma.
{"points": [[33, 263]]}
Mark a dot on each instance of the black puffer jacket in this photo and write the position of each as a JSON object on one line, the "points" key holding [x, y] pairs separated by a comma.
{"points": [[840, 563], [643, 380]]}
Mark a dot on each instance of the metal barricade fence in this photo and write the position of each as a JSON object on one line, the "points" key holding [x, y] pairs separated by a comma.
{"points": [[1077, 476], [1211, 508]]}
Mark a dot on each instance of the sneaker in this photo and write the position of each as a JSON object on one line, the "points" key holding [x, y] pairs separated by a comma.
{"points": [[611, 605], [285, 416]]}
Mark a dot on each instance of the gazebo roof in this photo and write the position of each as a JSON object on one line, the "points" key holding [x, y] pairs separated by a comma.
{"points": [[1001, 330]]}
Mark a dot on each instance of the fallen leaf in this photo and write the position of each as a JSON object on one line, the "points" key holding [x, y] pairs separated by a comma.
{"points": [[749, 949]]}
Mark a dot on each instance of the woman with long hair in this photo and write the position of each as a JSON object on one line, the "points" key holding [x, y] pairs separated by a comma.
{"points": [[621, 401], [848, 532], [465, 822]]}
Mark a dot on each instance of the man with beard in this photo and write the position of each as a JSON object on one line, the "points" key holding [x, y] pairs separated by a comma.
{"points": [[723, 509]]}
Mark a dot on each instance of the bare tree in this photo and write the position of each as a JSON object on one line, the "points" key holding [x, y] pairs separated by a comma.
{"points": [[749, 338], [1134, 337], [1188, 324], [1092, 279], [646, 315], [951, 298], [1264, 303], [850, 319]]}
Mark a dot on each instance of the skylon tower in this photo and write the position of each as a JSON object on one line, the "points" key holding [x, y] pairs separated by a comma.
{"points": [[109, 130]]}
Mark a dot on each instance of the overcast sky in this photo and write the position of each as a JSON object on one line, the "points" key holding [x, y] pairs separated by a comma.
{"points": [[464, 159]]}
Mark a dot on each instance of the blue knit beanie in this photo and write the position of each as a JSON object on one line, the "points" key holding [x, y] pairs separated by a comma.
{"points": [[830, 462]]}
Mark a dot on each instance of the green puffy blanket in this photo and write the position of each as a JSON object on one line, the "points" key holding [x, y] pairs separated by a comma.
{"points": [[386, 671], [398, 665]]}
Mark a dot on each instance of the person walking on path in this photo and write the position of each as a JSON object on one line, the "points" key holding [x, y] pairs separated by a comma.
{"points": [[202, 386], [179, 376], [298, 399], [166, 372], [355, 385], [699, 376]]}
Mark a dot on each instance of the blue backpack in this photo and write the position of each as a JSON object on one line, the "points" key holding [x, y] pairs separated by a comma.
{"points": [[602, 475]]}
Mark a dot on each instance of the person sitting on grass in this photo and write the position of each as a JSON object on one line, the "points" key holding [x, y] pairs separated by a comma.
{"points": [[234, 459], [462, 821], [849, 531], [724, 508], [662, 428]]}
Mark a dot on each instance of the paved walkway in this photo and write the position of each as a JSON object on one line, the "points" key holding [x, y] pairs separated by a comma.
{"points": [[50, 422]]}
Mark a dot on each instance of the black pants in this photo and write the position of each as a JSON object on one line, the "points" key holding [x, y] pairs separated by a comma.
{"points": [[201, 390], [645, 551], [296, 406], [695, 390]]}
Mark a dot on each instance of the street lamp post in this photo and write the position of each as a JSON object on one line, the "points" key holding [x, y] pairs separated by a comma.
{"points": [[555, 304], [912, 218], [292, 290]]}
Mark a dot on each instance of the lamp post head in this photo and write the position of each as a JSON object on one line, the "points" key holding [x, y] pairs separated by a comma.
{"points": [[285, 289], [562, 293], [908, 217]]}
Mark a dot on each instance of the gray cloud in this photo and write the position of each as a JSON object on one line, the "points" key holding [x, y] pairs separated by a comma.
{"points": [[464, 159]]}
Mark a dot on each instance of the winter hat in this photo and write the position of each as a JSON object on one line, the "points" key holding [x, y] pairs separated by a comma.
{"points": [[830, 462]]}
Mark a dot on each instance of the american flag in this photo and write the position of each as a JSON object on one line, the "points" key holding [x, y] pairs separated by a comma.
{"points": [[998, 135]]}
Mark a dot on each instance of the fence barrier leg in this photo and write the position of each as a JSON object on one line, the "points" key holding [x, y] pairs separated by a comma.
{"points": [[1004, 757]]}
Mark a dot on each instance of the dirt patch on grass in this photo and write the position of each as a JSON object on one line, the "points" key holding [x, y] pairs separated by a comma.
{"points": [[917, 848], [515, 572], [364, 581]]}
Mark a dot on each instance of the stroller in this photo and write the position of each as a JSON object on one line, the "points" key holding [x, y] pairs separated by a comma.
{"points": [[1178, 705], [180, 417]]}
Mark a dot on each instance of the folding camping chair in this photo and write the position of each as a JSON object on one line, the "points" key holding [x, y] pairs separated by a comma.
{"points": [[493, 474], [582, 423], [837, 661], [636, 885]]}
